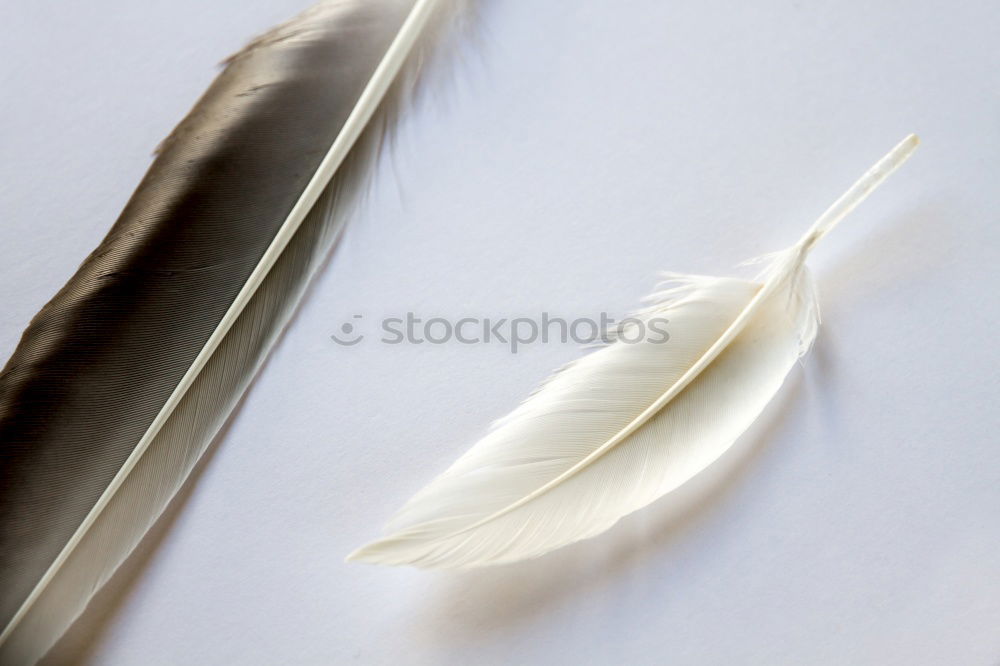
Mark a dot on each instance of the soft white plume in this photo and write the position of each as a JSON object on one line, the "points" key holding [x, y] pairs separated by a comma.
{"points": [[627, 423]]}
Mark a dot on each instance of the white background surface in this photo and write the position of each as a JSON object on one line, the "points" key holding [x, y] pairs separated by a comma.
{"points": [[581, 147]]}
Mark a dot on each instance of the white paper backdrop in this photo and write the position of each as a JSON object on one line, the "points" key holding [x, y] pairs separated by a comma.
{"points": [[578, 148]]}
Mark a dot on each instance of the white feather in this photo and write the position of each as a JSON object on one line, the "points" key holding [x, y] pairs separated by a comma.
{"points": [[628, 423]]}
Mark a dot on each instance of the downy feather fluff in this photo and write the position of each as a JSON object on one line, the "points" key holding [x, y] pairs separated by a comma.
{"points": [[628, 423], [122, 380]]}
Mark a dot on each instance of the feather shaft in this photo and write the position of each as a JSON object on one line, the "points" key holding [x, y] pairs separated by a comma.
{"points": [[860, 191]]}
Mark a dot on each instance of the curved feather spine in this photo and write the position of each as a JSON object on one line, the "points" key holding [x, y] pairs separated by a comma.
{"points": [[782, 271]]}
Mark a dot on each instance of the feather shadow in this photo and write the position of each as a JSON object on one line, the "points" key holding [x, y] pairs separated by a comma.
{"points": [[477, 603], [913, 260], [921, 238], [82, 640]]}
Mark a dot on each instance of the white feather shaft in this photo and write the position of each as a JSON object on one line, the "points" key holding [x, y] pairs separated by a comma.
{"points": [[860, 190]]}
